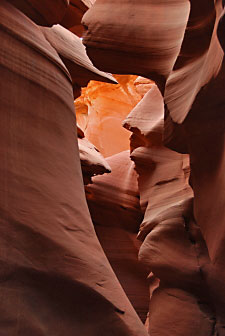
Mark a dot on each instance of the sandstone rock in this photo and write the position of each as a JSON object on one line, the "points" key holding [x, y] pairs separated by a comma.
{"points": [[113, 202], [143, 85], [146, 119], [73, 54], [101, 110], [121, 249], [115, 196], [203, 133], [133, 37], [73, 16], [46, 13], [194, 124], [92, 162], [55, 278], [172, 246]]}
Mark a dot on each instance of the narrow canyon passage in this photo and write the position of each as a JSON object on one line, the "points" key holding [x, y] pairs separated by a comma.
{"points": [[112, 168]]}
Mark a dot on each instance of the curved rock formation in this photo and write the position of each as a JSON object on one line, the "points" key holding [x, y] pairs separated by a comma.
{"points": [[141, 37], [173, 246], [172, 243], [67, 12], [55, 278], [116, 196], [113, 202], [101, 110], [73, 54], [46, 14], [194, 98], [92, 162], [73, 16]]}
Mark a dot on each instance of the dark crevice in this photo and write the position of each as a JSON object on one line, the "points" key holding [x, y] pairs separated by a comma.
{"points": [[205, 303]]}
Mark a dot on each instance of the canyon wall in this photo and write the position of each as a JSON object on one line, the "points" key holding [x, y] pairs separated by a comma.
{"points": [[161, 176], [55, 278], [178, 47]]}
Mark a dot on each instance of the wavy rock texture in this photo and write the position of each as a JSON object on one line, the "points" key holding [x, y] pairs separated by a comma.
{"points": [[146, 119], [173, 248], [203, 123], [73, 54], [194, 98], [73, 16], [55, 278], [92, 162], [113, 202], [170, 55], [141, 37], [116, 196], [45, 13], [101, 109], [67, 12]]}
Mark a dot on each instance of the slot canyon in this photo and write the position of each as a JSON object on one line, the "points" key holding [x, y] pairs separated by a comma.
{"points": [[111, 168]]}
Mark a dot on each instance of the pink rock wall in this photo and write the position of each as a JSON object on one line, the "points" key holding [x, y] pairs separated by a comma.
{"points": [[55, 278], [193, 78]]}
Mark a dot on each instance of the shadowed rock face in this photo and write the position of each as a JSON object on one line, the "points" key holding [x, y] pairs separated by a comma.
{"points": [[92, 162], [73, 16], [141, 37], [115, 196], [173, 248], [194, 120], [113, 202], [54, 276], [46, 14], [73, 54], [67, 12], [184, 50], [52, 265]]}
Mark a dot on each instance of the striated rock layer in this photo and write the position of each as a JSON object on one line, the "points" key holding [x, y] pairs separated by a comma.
{"points": [[92, 162], [173, 247], [54, 276], [142, 38], [186, 60], [116, 196], [73, 54], [101, 109], [113, 202]]}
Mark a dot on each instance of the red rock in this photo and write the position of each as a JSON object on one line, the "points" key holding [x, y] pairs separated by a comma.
{"points": [[55, 278], [172, 243], [73, 54], [113, 202], [146, 119], [73, 16], [115, 196], [133, 37], [194, 100], [44, 13], [92, 162]]}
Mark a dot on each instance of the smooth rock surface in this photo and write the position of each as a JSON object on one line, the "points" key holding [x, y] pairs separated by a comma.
{"points": [[92, 162], [46, 13], [55, 278], [113, 202], [131, 37], [73, 54], [194, 124], [173, 248], [73, 15], [101, 110], [113, 199]]}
